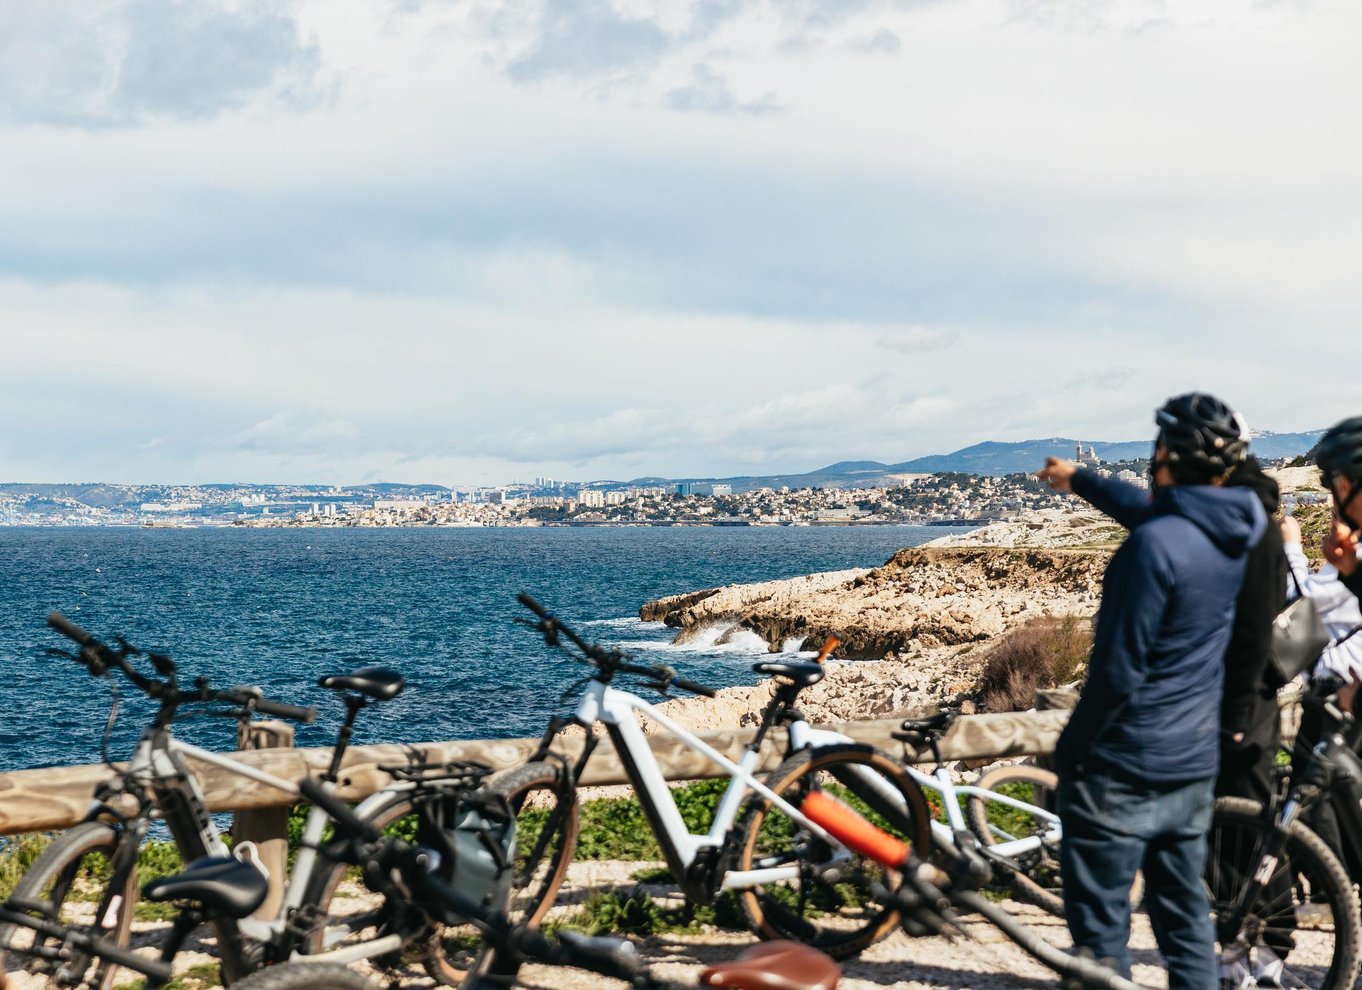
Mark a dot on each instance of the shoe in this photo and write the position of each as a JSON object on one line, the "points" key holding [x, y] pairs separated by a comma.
{"points": [[1268, 967], [1235, 973]]}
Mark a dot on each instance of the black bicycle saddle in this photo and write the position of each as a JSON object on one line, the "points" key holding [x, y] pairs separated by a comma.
{"points": [[225, 886], [375, 683], [801, 673]]}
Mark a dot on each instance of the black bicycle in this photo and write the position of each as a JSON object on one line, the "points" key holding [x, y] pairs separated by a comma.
{"points": [[1287, 911], [95, 862]]}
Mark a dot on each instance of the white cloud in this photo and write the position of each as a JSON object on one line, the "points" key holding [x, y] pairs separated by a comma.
{"points": [[1029, 219]]}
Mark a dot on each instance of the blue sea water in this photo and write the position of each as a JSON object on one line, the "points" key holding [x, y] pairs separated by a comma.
{"points": [[279, 608]]}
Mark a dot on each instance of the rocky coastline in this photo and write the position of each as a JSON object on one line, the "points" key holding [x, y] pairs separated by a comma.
{"points": [[913, 631]]}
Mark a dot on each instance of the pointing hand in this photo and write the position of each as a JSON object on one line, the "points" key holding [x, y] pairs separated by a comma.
{"points": [[1059, 473]]}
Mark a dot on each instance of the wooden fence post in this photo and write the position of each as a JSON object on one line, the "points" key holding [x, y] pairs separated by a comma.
{"points": [[266, 827]]}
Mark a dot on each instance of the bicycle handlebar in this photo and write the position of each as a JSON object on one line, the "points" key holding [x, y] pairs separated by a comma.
{"points": [[153, 968], [98, 658], [609, 661], [70, 630]]}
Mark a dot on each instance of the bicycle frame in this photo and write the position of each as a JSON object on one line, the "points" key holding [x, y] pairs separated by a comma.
{"points": [[159, 765], [618, 711]]}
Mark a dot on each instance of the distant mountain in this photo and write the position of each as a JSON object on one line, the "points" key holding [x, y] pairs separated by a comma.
{"points": [[853, 467], [994, 458], [989, 458]]}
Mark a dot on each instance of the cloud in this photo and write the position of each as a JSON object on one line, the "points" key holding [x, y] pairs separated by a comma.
{"points": [[915, 340], [882, 42], [292, 432], [117, 63], [709, 92], [586, 38]]}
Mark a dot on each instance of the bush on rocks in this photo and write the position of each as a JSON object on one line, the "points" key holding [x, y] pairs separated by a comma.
{"points": [[1042, 653]]}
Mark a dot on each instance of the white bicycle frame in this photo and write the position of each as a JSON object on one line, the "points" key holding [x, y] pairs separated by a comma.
{"points": [[150, 764], [619, 710], [943, 832]]}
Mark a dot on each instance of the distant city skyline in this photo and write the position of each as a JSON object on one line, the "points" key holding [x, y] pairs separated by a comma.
{"points": [[346, 241]]}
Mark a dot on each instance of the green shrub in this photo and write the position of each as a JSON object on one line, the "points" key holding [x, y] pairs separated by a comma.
{"points": [[17, 853], [616, 828], [1042, 653], [632, 911]]}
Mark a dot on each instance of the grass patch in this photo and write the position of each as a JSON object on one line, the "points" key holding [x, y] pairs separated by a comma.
{"points": [[17, 853], [200, 976], [1042, 653], [632, 911]]}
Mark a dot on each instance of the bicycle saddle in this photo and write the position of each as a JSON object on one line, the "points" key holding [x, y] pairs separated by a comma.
{"points": [[939, 722], [801, 672], [223, 885], [775, 966], [376, 683]]}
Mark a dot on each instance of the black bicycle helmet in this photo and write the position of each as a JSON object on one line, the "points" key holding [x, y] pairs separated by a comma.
{"points": [[1339, 451], [1204, 437]]}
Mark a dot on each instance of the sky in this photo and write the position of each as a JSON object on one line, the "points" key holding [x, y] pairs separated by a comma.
{"points": [[471, 242]]}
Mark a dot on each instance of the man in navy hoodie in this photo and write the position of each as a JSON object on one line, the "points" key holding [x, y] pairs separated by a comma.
{"points": [[1138, 760]]}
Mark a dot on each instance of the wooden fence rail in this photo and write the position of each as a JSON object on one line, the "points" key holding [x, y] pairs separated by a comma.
{"points": [[57, 797]]}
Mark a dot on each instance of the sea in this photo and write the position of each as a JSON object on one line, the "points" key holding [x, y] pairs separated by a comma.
{"points": [[280, 608]]}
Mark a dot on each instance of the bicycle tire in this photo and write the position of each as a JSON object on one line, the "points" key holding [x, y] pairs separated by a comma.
{"points": [[544, 801], [65, 874], [1308, 906], [306, 976], [838, 918]]}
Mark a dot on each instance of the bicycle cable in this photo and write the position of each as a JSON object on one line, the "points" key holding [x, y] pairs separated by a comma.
{"points": [[109, 726]]}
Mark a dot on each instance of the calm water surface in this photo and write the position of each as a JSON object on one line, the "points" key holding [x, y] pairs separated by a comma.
{"points": [[278, 608]]}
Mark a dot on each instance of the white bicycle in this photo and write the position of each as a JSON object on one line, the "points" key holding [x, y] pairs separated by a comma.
{"points": [[793, 879]]}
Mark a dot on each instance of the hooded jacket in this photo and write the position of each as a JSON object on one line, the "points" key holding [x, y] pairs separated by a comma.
{"points": [[1150, 708], [1248, 678]]}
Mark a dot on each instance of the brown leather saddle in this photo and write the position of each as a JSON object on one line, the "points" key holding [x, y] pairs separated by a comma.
{"points": [[777, 965]]}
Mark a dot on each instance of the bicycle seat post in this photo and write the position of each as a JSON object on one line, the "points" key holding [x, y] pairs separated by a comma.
{"points": [[353, 704]]}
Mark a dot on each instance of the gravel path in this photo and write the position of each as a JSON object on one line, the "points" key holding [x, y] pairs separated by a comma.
{"points": [[984, 960]]}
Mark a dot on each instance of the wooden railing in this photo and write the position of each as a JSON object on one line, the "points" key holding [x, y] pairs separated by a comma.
{"points": [[57, 797]]}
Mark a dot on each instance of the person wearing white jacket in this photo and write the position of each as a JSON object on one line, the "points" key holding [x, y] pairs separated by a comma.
{"points": [[1338, 609]]}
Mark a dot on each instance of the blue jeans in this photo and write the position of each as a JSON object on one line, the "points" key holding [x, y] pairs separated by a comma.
{"points": [[1114, 826]]}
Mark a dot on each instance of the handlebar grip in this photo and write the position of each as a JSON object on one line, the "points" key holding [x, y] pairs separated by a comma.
{"points": [[312, 791], [305, 715], [693, 688], [69, 629], [532, 605]]}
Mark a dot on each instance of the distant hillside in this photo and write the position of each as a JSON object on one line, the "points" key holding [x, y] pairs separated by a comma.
{"points": [[988, 458]]}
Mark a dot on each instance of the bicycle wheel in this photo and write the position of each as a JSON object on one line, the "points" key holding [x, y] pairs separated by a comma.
{"points": [[545, 806], [305, 976], [70, 880], [1304, 927], [838, 916], [1034, 873]]}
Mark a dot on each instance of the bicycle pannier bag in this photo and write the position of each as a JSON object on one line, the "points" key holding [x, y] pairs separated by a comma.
{"points": [[477, 841], [1298, 637]]}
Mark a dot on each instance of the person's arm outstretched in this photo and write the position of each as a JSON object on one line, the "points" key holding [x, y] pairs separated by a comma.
{"points": [[1128, 504]]}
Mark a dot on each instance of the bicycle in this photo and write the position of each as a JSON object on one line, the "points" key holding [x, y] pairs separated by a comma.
{"points": [[1019, 837], [758, 844], [98, 856], [207, 890], [1286, 906]]}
